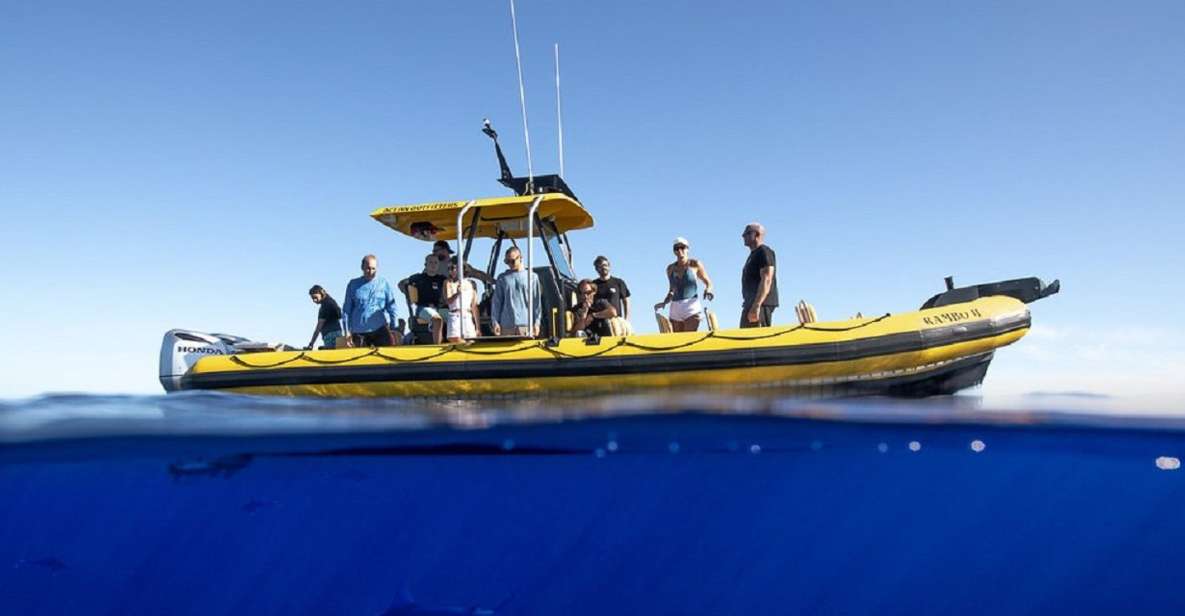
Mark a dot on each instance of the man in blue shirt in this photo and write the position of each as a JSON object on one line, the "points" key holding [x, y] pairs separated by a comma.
{"points": [[369, 307], [508, 309]]}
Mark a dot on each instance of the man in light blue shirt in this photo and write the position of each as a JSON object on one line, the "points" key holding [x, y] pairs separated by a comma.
{"points": [[369, 307], [508, 309]]}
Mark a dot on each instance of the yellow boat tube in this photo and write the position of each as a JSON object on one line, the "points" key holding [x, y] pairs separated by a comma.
{"points": [[931, 351]]}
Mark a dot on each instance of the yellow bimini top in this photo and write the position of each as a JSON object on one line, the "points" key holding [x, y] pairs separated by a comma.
{"points": [[506, 216]]}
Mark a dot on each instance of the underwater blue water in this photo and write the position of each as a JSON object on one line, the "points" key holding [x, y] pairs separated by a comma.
{"points": [[213, 504]]}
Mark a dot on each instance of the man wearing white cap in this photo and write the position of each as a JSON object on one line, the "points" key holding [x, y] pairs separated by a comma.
{"points": [[682, 294]]}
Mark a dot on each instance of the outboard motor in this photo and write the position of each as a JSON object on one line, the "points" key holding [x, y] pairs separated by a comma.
{"points": [[181, 349], [1027, 290]]}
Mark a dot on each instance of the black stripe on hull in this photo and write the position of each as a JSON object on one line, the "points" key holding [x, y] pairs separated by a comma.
{"points": [[657, 362]]}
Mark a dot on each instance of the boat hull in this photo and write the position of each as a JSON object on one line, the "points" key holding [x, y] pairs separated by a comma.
{"points": [[928, 352]]}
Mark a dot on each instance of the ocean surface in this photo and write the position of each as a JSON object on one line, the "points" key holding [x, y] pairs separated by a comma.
{"points": [[202, 503]]}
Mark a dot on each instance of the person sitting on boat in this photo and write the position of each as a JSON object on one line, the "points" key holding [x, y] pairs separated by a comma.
{"points": [[612, 289], [459, 295], [759, 286], [445, 253], [686, 309], [429, 286], [369, 307], [590, 314], [329, 318], [508, 309]]}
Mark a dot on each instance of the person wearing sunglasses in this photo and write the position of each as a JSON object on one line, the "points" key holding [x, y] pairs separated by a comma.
{"points": [[611, 288], [686, 311], [459, 295], [591, 315], [759, 285], [508, 308]]}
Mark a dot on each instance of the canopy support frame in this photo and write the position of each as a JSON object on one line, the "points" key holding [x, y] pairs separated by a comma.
{"points": [[461, 263], [531, 263]]}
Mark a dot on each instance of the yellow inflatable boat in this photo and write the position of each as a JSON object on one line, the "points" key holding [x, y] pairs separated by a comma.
{"points": [[941, 348], [934, 351]]}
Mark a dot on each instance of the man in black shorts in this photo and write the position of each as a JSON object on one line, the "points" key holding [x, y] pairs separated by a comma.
{"points": [[759, 285], [429, 285], [611, 289]]}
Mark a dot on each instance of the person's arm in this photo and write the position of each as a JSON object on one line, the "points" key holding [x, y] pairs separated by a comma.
{"points": [[625, 300], [316, 332], [536, 301], [767, 282], [406, 298], [392, 313], [473, 272], [608, 313], [702, 273], [473, 313], [496, 309], [390, 304], [670, 290], [347, 308], [451, 291]]}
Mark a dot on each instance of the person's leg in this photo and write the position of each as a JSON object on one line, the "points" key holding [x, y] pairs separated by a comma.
{"points": [[676, 326], [451, 328], [380, 338], [691, 323], [437, 327]]}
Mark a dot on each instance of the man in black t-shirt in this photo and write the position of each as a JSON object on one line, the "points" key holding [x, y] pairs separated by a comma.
{"points": [[610, 289], [759, 285], [429, 285], [329, 318]]}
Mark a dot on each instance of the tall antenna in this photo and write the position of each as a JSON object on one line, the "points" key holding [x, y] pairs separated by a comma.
{"points": [[522, 99], [558, 111]]}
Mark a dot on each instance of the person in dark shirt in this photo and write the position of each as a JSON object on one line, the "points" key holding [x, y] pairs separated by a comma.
{"points": [[759, 285], [329, 318], [429, 285], [591, 315], [611, 289]]}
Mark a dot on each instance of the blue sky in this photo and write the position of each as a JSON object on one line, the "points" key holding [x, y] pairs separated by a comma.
{"points": [[202, 165]]}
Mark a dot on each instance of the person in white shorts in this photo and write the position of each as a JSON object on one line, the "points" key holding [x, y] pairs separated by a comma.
{"points": [[686, 311], [460, 295]]}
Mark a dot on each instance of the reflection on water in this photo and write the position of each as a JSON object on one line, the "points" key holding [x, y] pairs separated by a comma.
{"points": [[65, 415]]}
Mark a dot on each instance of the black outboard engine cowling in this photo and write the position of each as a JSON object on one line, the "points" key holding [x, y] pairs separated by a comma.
{"points": [[1027, 290]]}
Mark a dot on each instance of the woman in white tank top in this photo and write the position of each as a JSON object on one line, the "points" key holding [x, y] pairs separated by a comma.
{"points": [[460, 295], [682, 294]]}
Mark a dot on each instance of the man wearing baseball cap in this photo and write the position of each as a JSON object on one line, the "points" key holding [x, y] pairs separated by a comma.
{"points": [[444, 252]]}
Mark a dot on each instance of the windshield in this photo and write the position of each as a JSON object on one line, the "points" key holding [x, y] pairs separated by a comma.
{"points": [[554, 243]]}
